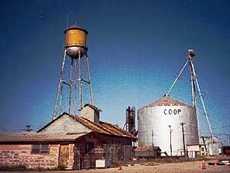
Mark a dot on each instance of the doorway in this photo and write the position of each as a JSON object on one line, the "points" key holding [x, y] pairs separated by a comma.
{"points": [[63, 156]]}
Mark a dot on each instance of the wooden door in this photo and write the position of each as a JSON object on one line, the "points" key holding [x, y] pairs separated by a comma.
{"points": [[63, 156]]}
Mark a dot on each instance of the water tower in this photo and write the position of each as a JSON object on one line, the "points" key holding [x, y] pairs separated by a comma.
{"points": [[74, 86]]}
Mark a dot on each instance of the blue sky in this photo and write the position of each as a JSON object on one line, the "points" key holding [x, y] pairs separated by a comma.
{"points": [[136, 49]]}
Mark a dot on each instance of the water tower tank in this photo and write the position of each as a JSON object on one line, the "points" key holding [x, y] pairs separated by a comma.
{"points": [[75, 41], [154, 121]]}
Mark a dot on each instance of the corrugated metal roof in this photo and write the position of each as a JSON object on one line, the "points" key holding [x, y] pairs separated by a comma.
{"points": [[38, 137], [167, 101], [116, 130]]}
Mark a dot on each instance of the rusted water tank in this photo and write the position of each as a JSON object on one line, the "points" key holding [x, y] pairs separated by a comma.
{"points": [[75, 41]]}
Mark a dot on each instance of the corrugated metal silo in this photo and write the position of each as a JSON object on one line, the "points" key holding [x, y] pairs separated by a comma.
{"points": [[156, 119]]}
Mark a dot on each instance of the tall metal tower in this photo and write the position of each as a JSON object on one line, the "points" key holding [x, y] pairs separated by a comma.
{"points": [[130, 120], [74, 85], [195, 86]]}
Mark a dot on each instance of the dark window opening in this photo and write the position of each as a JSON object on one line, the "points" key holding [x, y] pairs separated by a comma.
{"points": [[40, 149], [89, 147]]}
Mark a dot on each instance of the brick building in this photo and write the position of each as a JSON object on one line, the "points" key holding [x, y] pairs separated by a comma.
{"points": [[71, 142]]}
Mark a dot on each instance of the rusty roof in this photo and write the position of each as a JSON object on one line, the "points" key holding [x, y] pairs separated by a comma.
{"points": [[39, 137], [103, 127], [167, 101]]}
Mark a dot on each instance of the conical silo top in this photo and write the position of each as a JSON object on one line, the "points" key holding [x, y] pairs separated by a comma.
{"points": [[167, 101]]}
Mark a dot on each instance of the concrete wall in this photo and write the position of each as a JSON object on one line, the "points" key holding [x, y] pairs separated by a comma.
{"points": [[18, 154]]}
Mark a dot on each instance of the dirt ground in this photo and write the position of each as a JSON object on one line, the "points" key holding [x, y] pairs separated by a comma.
{"points": [[184, 167]]}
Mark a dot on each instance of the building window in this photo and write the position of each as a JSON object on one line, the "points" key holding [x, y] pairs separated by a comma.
{"points": [[40, 149]]}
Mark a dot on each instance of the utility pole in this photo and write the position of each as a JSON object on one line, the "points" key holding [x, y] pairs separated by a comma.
{"points": [[182, 128], [170, 139], [228, 139], [152, 139]]}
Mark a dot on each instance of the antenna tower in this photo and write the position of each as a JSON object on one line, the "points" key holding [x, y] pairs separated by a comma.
{"points": [[195, 86]]}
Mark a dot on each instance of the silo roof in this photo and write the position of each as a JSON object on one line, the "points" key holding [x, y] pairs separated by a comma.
{"points": [[167, 101]]}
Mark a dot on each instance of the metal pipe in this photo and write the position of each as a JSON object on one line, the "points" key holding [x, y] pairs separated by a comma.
{"points": [[70, 98], [90, 82], [75, 96], [183, 138], [79, 79], [70, 85], [178, 76], [59, 90], [152, 139], [170, 139], [193, 86], [85, 81], [202, 101]]}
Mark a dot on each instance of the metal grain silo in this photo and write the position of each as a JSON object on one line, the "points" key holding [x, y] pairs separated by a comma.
{"points": [[156, 120]]}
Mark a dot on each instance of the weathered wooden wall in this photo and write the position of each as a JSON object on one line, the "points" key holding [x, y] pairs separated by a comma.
{"points": [[114, 150]]}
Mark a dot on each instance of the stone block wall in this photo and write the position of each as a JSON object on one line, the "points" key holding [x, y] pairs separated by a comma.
{"points": [[71, 156], [18, 154]]}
